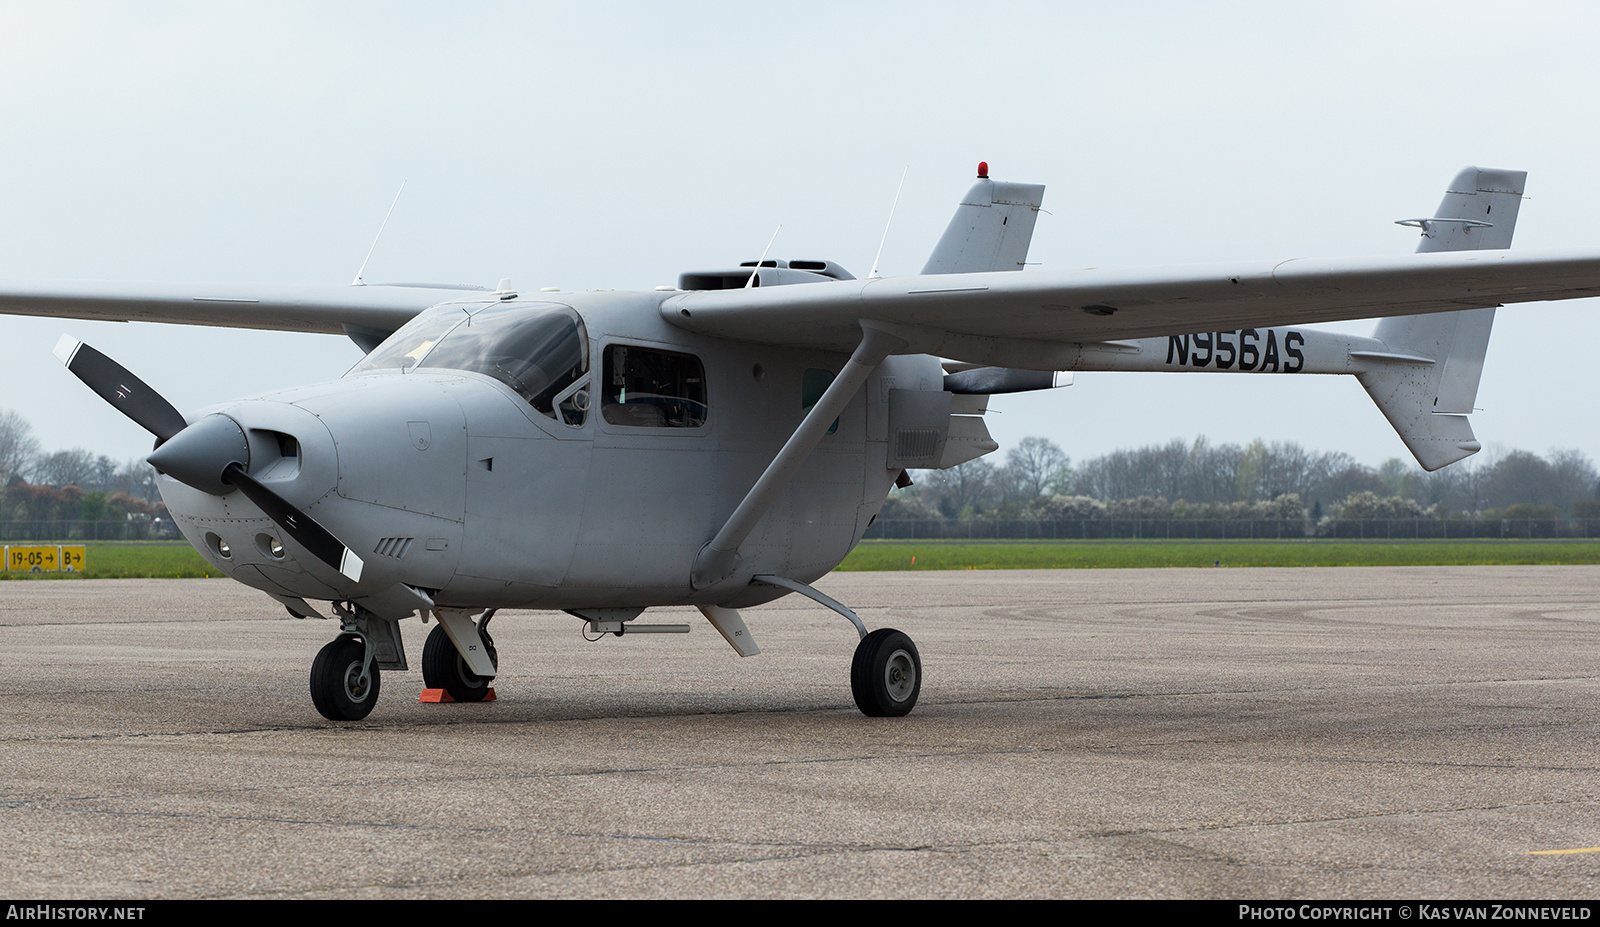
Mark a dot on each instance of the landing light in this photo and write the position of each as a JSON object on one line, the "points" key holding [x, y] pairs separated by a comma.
{"points": [[269, 545]]}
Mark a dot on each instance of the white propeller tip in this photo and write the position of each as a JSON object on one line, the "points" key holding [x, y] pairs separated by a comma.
{"points": [[350, 565], [65, 348]]}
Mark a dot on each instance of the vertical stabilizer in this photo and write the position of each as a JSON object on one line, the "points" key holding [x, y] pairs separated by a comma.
{"points": [[1428, 403], [991, 229], [1478, 212]]}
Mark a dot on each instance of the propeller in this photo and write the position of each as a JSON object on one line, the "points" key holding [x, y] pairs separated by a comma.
{"points": [[122, 389], [211, 455]]}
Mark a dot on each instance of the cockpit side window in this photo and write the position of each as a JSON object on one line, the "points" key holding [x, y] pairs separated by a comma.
{"points": [[539, 350], [646, 388], [538, 354]]}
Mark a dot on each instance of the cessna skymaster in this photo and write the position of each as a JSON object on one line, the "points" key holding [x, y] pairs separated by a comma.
{"points": [[727, 442]]}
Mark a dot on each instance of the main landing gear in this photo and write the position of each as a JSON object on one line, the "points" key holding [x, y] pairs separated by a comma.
{"points": [[444, 668], [460, 658], [886, 673]]}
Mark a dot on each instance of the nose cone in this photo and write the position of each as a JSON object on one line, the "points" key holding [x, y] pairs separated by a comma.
{"points": [[198, 455]]}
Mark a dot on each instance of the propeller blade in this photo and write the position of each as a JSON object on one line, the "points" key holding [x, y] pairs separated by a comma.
{"points": [[122, 389], [297, 524], [208, 458]]}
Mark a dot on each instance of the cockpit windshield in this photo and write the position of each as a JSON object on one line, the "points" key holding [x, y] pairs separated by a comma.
{"points": [[412, 341], [538, 350]]}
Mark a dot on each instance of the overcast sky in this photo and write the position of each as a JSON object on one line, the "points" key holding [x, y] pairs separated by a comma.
{"points": [[614, 145]]}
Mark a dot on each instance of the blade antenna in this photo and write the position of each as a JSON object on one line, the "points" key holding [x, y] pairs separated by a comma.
{"points": [[875, 275], [752, 281], [358, 281]]}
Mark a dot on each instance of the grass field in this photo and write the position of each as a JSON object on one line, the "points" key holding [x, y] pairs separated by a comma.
{"points": [[1024, 555], [128, 559], [176, 559]]}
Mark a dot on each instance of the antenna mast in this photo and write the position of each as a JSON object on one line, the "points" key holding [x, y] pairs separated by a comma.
{"points": [[875, 275], [752, 281], [358, 281]]}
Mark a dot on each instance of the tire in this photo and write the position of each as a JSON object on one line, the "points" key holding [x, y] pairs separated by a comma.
{"points": [[886, 674], [335, 676], [443, 668]]}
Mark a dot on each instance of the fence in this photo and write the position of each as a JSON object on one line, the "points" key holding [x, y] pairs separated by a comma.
{"points": [[1018, 529], [120, 529], [1229, 529]]}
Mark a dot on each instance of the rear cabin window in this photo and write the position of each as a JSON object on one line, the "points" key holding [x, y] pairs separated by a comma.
{"points": [[647, 388]]}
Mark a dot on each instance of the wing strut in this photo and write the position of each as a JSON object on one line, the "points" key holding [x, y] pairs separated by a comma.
{"points": [[719, 558]]}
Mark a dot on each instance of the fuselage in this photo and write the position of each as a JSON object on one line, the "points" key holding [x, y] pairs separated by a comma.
{"points": [[590, 482]]}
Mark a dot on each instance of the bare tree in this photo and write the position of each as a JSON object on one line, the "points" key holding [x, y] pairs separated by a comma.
{"points": [[1035, 463], [137, 478], [77, 467], [963, 490], [18, 446], [1572, 477]]}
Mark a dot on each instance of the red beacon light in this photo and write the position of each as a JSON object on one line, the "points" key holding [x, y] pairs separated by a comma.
{"points": [[983, 170]]}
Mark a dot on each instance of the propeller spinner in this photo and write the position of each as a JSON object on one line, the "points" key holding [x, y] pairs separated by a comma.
{"points": [[211, 455]]}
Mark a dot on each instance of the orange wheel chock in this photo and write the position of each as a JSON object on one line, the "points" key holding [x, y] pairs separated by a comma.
{"points": [[441, 696]]}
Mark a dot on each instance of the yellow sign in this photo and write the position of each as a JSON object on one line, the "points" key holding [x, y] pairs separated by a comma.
{"points": [[34, 559], [72, 558]]}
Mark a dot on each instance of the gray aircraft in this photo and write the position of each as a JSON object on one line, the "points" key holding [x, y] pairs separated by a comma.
{"points": [[727, 442]]}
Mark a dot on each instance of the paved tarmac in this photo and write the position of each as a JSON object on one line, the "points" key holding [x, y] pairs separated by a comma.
{"points": [[1229, 733]]}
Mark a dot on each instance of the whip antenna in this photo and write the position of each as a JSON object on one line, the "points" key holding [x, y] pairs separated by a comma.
{"points": [[358, 281], [874, 275], [752, 281]]}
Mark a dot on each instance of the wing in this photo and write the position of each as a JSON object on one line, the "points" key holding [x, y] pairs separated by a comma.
{"points": [[366, 312], [1036, 319]]}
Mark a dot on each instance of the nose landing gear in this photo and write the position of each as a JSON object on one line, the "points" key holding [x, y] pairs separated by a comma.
{"points": [[345, 675], [345, 680]]}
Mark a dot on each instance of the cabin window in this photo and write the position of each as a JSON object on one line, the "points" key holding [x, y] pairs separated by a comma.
{"points": [[813, 384], [646, 388]]}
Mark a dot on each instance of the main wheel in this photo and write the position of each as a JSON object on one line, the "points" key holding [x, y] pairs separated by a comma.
{"points": [[336, 686], [886, 674], [443, 668]]}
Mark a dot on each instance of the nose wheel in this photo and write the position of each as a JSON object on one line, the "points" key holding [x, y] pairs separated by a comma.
{"points": [[886, 674], [343, 686]]}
